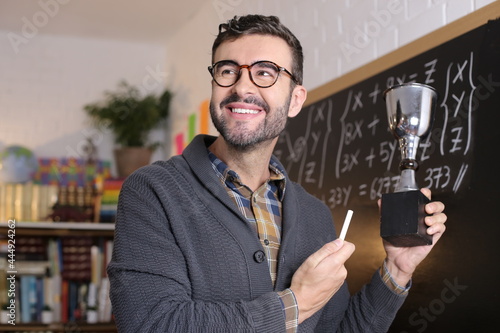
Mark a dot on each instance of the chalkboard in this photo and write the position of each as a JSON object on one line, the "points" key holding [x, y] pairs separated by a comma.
{"points": [[341, 150]]}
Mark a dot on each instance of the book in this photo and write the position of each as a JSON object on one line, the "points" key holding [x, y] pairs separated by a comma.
{"points": [[4, 283], [76, 257], [9, 194], [31, 249], [28, 298], [64, 301], [104, 303], [72, 300], [51, 283], [37, 268], [39, 301], [109, 199], [27, 202], [96, 264], [56, 291]]}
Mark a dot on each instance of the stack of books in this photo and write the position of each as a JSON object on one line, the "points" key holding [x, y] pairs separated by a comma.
{"points": [[61, 190], [67, 278], [27, 202], [109, 199], [77, 187]]}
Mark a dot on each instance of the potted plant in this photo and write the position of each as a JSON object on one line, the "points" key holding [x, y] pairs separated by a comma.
{"points": [[130, 117]]}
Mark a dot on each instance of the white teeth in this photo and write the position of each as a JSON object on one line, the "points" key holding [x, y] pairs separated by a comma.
{"points": [[235, 110]]}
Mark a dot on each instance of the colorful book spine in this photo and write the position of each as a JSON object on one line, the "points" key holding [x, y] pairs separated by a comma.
{"points": [[109, 199]]}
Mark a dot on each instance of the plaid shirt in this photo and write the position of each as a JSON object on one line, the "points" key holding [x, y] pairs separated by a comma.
{"points": [[262, 209]]}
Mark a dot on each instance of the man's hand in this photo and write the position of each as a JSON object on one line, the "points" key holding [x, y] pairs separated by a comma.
{"points": [[402, 261], [320, 277]]}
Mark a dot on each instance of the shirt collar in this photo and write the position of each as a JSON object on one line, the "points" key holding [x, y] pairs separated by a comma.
{"points": [[227, 175]]}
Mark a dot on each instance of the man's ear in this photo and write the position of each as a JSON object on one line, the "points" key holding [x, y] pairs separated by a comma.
{"points": [[299, 95]]}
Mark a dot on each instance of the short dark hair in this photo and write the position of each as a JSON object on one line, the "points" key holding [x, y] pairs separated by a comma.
{"points": [[262, 25]]}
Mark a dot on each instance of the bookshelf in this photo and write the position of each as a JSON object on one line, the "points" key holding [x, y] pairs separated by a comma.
{"points": [[95, 242], [60, 229], [56, 327]]}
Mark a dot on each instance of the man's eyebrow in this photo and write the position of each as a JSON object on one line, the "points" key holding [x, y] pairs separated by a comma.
{"points": [[266, 63], [227, 61]]}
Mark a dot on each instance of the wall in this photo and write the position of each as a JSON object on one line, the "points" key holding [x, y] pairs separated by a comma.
{"points": [[337, 37], [45, 83]]}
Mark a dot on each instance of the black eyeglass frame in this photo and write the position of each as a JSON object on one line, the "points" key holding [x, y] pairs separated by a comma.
{"points": [[249, 67]]}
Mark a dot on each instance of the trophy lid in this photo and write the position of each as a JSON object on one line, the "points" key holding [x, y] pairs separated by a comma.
{"points": [[410, 85]]}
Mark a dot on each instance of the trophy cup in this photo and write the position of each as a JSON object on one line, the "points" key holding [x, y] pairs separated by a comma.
{"points": [[410, 111]]}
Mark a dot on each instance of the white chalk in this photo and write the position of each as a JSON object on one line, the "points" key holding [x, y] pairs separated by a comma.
{"points": [[346, 224]]}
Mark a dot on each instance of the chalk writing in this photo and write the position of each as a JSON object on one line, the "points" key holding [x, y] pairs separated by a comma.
{"points": [[340, 148]]}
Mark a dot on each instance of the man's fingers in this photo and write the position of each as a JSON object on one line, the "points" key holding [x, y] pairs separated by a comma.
{"points": [[328, 249], [426, 192], [341, 251], [434, 207]]}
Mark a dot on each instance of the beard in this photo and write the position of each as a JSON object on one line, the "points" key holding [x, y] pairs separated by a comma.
{"points": [[241, 137]]}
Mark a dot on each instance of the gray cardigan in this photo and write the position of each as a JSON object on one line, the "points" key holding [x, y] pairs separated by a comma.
{"points": [[186, 260]]}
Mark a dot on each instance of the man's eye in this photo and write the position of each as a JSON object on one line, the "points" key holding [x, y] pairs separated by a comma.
{"points": [[228, 71], [266, 73]]}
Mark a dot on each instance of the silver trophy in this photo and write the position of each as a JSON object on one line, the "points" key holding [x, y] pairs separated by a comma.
{"points": [[410, 111]]}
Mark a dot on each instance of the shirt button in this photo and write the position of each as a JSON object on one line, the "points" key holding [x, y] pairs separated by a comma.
{"points": [[259, 256], [266, 241]]}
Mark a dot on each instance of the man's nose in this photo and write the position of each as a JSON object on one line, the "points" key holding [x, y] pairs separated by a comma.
{"points": [[244, 85]]}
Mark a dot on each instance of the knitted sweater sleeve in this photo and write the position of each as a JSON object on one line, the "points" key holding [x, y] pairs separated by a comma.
{"points": [[151, 282], [371, 309]]}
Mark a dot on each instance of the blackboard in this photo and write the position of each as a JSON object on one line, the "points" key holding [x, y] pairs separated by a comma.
{"points": [[340, 149]]}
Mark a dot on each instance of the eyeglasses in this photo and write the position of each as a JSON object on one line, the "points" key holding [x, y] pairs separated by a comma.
{"points": [[263, 74]]}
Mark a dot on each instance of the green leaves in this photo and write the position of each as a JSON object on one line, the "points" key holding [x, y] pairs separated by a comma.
{"points": [[128, 115]]}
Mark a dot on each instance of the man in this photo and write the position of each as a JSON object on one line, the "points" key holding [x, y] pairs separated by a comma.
{"points": [[221, 240]]}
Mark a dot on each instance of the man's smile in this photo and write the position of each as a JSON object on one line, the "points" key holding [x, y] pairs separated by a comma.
{"points": [[244, 111]]}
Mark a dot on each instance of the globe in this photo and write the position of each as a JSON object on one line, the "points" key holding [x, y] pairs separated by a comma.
{"points": [[17, 164]]}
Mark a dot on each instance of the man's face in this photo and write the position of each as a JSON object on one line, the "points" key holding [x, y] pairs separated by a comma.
{"points": [[245, 114]]}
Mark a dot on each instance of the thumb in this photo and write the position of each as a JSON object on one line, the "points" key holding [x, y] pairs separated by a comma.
{"points": [[326, 250]]}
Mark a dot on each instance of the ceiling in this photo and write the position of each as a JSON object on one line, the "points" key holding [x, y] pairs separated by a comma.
{"points": [[151, 21]]}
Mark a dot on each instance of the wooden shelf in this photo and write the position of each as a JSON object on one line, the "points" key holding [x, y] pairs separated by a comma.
{"points": [[58, 229], [61, 228], [58, 327]]}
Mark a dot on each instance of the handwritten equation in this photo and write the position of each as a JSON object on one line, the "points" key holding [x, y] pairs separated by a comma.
{"points": [[341, 147]]}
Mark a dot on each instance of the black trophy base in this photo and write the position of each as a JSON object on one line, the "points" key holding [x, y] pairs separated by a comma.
{"points": [[402, 219]]}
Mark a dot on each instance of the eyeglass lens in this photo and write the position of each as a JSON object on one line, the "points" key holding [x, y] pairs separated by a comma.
{"points": [[263, 73]]}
